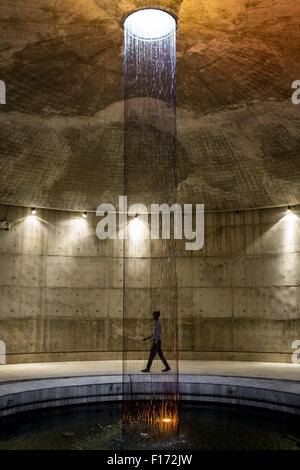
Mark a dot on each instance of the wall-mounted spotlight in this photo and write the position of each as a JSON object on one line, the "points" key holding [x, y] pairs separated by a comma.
{"points": [[4, 225], [84, 215], [289, 210], [33, 211]]}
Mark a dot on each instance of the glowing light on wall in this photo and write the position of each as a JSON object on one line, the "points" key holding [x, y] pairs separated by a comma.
{"points": [[32, 229], [150, 24], [291, 227], [32, 220], [33, 211], [137, 230], [78, 226]]}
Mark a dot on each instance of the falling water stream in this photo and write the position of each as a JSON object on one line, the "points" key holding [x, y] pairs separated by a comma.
{"points": [[150, 277]]}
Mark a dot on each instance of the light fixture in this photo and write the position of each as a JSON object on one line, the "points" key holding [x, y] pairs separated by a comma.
{"points": [[84, 215], [33, 211], [167, 420], [150, 24], [289, 210]]}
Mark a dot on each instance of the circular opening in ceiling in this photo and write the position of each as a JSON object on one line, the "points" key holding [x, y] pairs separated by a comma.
{"points": [[150, 24]]}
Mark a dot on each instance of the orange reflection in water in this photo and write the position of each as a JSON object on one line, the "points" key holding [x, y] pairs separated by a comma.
{"points": [[155, 416]]}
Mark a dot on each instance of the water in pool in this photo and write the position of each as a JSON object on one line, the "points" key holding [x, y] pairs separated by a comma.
{"points": [[99, 427]]}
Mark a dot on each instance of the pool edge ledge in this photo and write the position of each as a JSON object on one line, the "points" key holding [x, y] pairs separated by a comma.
{"points": [[34, 394]]}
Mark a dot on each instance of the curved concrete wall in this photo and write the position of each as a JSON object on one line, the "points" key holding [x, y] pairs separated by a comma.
{"points": [[279, 395], [61, 289]]}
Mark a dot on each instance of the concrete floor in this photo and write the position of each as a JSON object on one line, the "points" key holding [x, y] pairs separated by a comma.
{"points": [[19, 372], [25, 387]]}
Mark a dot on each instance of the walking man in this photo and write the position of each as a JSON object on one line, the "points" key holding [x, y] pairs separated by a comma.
{"points": [[156, 347]]}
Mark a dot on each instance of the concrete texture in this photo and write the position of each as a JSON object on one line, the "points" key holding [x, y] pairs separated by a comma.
{"points": [[62, 289], [35, 386], [61, 131], [264, 370]]}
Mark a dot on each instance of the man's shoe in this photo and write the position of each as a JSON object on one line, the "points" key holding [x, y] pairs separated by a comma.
{"points": [[166, 369], [145, 370]]}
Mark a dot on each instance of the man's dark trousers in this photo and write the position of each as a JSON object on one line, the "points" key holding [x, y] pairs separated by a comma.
{"points": [[156, 348]]}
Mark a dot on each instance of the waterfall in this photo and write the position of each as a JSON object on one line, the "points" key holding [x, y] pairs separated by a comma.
{"points": [[149, 267]]}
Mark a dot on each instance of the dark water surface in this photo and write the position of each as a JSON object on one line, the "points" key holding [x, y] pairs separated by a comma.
{"points": [[99, 427]]}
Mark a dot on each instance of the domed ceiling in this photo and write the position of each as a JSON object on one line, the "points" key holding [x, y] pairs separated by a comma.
{"points": [[61, 131]]}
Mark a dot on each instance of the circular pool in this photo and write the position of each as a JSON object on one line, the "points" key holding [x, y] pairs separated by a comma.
{"points": [[99, 427]]}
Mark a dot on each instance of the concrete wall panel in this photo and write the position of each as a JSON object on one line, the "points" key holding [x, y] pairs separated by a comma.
{"points": [[61, 289], [277, 303], [22, 270], [205, 302], [207, 334], [265, 335]]}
